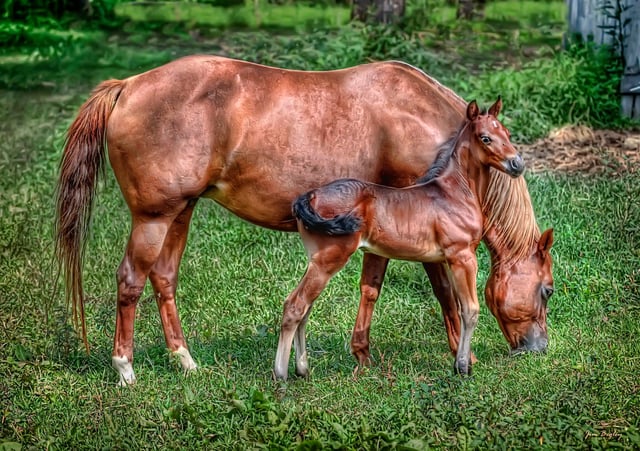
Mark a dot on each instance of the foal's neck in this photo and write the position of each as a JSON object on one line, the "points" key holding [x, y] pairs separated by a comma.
{"points": [[470, 171]]}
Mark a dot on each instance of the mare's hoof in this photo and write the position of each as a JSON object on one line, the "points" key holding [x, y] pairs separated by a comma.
{"points": [[124, 369], [462, 369], [363, 357], [184, 357]]}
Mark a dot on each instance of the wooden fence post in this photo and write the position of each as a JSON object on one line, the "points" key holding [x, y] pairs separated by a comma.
{"points": [[595, 20]]}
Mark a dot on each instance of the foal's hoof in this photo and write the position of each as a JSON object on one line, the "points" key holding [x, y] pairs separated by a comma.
{"points": [[280, 376], [302, 372]]}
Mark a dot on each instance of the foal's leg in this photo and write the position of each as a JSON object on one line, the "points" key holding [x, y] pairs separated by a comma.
{"points": [[300, 346], [296, 307], [464, 269], [164, 278], [443, 291], [144, 246], [373, 271], [330, 255]]}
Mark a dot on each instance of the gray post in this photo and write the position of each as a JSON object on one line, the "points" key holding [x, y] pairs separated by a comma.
{"points": [[594, 20]]}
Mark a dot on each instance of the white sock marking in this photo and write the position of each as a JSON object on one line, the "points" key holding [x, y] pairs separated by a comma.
{"points": [[124, 369]]}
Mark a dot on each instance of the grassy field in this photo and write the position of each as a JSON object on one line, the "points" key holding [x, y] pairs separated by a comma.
{"points": [[582, 394]]}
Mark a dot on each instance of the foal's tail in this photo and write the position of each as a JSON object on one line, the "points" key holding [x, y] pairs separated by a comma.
{"points": [[343, 224], [82, 163]]}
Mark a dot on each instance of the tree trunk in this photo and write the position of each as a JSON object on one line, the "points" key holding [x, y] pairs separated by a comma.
{"points": [[378, 11], [470, 9]]}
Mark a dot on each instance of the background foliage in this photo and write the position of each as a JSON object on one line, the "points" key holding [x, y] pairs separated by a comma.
{"points": [[582, 394]]}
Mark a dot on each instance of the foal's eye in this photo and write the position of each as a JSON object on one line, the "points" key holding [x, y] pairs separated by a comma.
{"points": [[485, 139], [547, 291]]}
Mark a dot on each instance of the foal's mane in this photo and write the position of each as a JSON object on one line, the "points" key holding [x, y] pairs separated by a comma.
{"points": [[445, 152], [507, 207]]}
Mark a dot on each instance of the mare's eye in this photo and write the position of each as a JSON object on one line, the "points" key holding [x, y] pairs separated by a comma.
{"points": [[485, 139], [547, 291]]}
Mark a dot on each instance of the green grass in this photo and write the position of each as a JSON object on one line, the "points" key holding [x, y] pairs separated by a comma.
{"points": [[583, 393]]}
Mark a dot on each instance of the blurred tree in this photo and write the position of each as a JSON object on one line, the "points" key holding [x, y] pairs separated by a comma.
{"points": [[470, 9], [25, 9], [379, 11]]}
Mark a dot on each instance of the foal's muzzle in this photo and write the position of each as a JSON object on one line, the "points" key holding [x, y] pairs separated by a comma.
{"points": [[515, 166]]}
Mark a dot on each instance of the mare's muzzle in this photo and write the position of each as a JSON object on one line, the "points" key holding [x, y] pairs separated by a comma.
{"points": [[515, 166], [535, 341]]}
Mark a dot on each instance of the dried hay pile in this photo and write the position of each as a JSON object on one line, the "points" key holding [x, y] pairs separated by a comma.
{"points": [[579, 149]]}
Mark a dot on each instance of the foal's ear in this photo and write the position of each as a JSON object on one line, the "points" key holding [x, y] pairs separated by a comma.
{"points": [[472, 110], [496, 107], [546, 241]]}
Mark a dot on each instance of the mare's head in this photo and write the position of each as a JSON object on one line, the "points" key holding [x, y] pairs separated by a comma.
{"points": [[517, 294], [521, 279], [490, 140]]}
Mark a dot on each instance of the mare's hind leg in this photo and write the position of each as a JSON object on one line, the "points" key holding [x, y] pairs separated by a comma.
{"points": [[443, 291], [373, 271], [164, 278], [330, 255], [144, 247]]}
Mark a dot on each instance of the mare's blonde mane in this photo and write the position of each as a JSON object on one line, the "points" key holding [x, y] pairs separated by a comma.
{"points": [[508, 210]]}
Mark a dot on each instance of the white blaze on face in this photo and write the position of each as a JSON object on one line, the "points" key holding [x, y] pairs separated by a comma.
{"points": [[495, 124]]}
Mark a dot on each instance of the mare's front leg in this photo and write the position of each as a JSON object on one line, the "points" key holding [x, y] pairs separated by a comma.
{"points": [[374, 268], [164, 278], [330, 255], [443, 291], [464, 269], [143, 249]]}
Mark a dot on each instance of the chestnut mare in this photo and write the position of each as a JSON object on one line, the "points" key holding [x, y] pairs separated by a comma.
{"points": [[253, 138], [438, 221]]}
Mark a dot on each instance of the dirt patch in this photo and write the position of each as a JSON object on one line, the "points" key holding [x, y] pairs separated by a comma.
{"points": [[579, 149]]}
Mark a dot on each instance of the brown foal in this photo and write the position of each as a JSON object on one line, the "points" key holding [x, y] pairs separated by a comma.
{"points": [[439, 221]]}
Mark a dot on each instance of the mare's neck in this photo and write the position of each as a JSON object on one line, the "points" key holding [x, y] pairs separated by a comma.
{"points": [[497, 252], [511, 231]]}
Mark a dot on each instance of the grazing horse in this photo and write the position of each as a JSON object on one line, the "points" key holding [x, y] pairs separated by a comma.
{"points": [[438, 221], [253, 138]]}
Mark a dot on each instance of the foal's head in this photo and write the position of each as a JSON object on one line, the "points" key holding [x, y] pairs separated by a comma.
{"points": [[490, 140]]}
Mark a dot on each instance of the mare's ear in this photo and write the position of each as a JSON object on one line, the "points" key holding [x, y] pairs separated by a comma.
{"points": [[472, 110], [546, 241], [496, 107]]}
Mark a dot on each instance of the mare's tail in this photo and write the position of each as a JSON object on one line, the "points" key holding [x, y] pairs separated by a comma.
{"points": [[343, 224], [82, 163]]}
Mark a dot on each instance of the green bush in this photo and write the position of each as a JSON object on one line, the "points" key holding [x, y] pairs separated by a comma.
{"points": [[32, 10], [578, 86]]}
